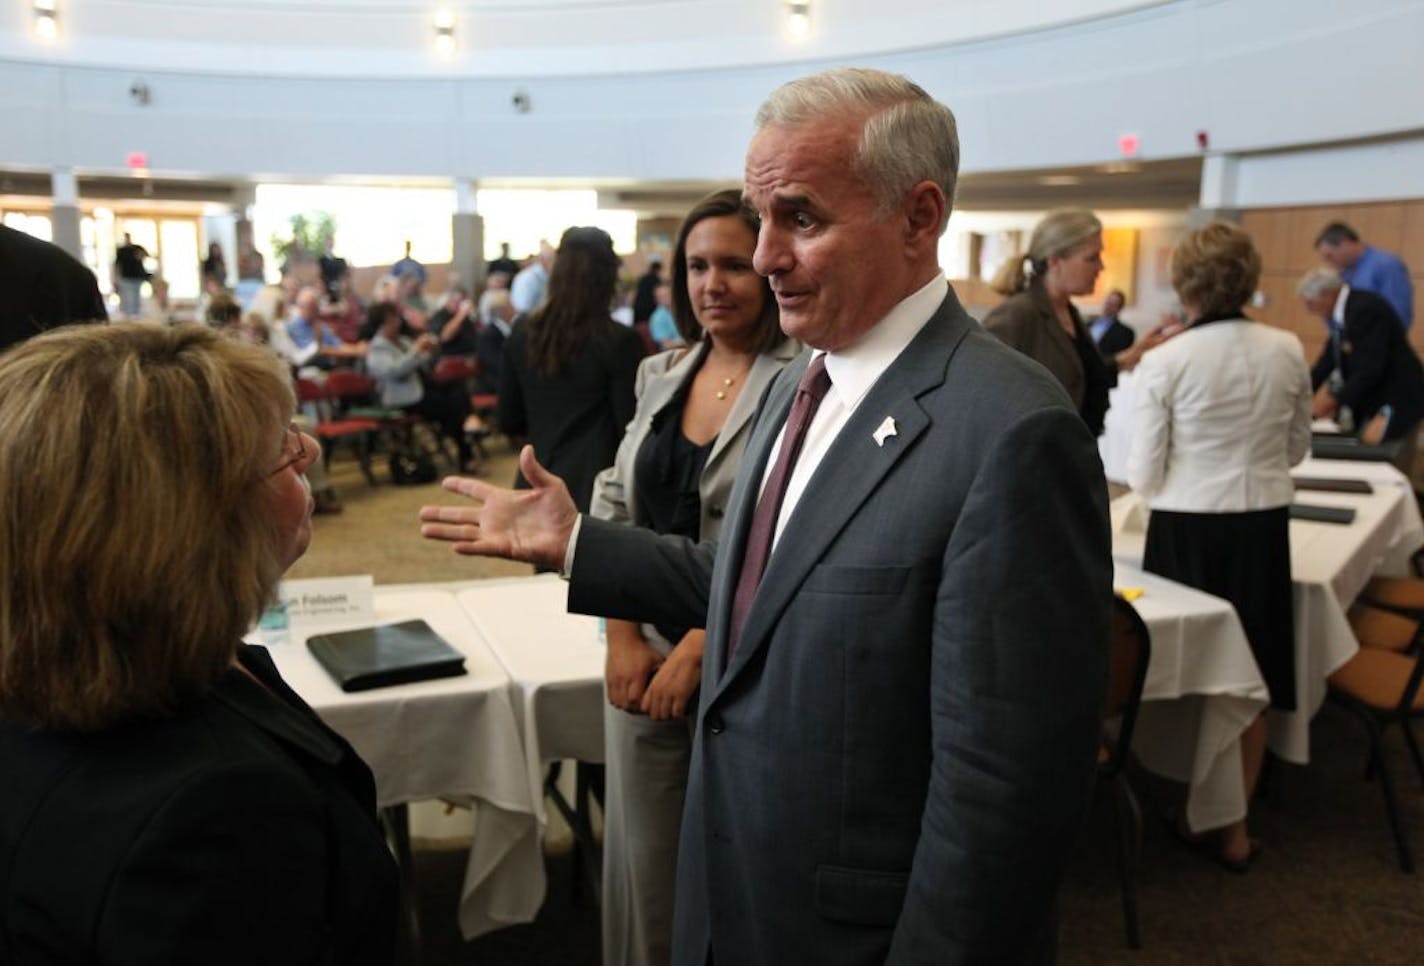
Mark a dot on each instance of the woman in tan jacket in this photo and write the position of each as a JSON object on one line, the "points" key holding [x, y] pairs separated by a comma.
{"points": [[1064, 257]]}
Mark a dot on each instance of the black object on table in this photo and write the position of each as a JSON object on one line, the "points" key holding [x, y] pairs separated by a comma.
{"points": [[377, 657], [1322, 514], [1330, 485]]}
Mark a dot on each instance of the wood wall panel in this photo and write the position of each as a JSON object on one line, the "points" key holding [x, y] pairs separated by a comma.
{"points": [[1411, 245], [1270, 228]]}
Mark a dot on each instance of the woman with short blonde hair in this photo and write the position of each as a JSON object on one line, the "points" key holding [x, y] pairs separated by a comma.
{"points": [[1223, 413], [153, 494]]}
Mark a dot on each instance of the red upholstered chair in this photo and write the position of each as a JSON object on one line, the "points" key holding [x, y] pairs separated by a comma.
{"points": [[455, 369], [330, 432]]}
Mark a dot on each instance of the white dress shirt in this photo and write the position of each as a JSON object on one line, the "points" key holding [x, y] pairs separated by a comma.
{"points": [[853, 371], [1223, 413]]}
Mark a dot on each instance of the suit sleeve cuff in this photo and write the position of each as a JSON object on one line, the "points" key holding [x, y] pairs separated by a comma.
{"points": [[568, 568]]}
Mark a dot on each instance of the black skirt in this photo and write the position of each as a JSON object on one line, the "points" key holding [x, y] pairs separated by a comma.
{"points": [[1243, 558]]}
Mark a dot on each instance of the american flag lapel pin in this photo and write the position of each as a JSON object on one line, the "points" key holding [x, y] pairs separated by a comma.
{"points": [[885, 431]]}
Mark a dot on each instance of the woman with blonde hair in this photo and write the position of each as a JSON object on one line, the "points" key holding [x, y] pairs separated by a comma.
{"points": [[167, 797], [1039, 319], [1223, 413]]}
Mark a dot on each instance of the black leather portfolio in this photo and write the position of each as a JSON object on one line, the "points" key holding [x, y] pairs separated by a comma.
{"points": [[1322, 514], [1329, 485], [377, 657]]}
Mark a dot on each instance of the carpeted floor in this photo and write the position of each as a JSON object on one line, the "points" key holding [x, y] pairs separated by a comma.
{"points": [[1327, 888]]}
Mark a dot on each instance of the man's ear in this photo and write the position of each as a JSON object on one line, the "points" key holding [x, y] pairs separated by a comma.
{"points": [[925, 209]]}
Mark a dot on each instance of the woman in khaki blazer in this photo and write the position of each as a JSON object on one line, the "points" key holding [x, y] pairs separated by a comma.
{"points": [[673, 473], [1064, 257]]}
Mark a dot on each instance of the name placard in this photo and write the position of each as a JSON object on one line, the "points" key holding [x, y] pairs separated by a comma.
{"points": [[328, 599]]}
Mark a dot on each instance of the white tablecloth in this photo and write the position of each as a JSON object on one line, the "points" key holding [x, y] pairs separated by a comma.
{"points": [[1409, 529], [1330, 565], [450, 738], [1202, 690]]}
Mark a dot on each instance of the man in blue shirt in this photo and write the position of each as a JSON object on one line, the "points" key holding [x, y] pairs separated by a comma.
{"points": [[308, 341], [409, 266], [1370, 269]]}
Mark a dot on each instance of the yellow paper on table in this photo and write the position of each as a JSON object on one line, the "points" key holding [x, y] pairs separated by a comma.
{"points": [[1129, 594]]}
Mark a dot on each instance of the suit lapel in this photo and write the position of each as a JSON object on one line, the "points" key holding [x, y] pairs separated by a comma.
{"points": [[763, 370], [852, 469]]}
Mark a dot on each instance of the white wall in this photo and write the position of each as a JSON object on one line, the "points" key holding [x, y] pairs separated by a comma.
{"points": [[1257, 74], [1378, 171]]}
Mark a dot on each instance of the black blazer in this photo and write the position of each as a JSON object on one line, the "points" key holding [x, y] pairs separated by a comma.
{"points": [[1378, 365], [240, 830], [42, 286], [576, 419], [1117, 338]]}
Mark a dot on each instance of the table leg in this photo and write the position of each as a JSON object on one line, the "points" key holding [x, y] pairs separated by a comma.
{"points": [[588, 856]]}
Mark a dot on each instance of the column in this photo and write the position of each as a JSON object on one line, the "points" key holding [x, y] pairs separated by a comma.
{"points": [[64, 211], [1217, 199], [467, 232]]}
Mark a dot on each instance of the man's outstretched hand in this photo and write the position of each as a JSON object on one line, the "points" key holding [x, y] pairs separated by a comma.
{"points": [[530, 525]]}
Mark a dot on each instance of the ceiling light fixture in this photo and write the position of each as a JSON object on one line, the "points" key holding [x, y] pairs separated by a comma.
{"points": [[444, 40], [45, 22], [798, 18]]}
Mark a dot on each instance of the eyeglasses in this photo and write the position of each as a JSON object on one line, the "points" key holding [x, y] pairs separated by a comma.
{"points": [[294, 449]]}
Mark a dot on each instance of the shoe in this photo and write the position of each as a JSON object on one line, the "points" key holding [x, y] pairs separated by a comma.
{"points": [[327, 503], [1242, 865]]}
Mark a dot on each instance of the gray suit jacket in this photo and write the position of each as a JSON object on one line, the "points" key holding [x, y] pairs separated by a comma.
{"points": [[894, 765]]}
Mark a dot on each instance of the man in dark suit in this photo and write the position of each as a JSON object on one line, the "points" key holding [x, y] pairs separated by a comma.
{"points": [[1368, 365], [908, 614], [42, 286], [1108, 332]]}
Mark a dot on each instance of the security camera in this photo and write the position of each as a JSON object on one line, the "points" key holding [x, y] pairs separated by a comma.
{"points": [[520, 101], [139, 92]]}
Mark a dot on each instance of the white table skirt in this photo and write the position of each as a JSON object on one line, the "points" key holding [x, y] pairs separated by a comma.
{"points": [[449, 738], [1330, 565], [1202, 691]]}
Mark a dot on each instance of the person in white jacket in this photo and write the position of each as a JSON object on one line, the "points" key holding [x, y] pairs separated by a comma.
{"points": [[1223, 413]]}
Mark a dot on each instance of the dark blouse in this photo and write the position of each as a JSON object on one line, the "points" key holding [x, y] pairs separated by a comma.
{"points": [[668, 471]]}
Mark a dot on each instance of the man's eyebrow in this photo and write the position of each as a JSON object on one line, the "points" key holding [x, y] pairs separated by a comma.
{"points": [[784, 200]]}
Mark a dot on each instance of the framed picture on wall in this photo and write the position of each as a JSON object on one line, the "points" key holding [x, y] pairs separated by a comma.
{"points": [[1119, 265]]}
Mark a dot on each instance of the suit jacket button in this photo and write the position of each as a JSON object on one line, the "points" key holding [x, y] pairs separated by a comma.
{"points": [[714, 723], [715, 512]]}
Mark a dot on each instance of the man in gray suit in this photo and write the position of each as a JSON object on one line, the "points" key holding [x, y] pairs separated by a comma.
{"points": [[908, 613]]}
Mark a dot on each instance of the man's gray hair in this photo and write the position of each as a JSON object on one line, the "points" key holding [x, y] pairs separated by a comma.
{"points": [[908, 137], [1317, 282]]}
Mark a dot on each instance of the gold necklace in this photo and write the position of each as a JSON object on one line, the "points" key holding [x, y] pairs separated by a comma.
{"points": [[726, 384]]}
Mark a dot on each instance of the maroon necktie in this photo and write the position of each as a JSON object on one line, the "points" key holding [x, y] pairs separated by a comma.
{"points": [[809, 394]]}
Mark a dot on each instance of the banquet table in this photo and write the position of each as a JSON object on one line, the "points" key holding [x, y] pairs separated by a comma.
{"points": [[455, 738], [1201, 692], [1330, 565]]}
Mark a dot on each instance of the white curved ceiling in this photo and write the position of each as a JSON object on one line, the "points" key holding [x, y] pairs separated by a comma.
{"points": [[512, 38]]}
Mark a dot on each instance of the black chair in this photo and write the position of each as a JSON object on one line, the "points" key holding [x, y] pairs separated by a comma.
{"points": [[1380, 685], [1131, 651]]}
